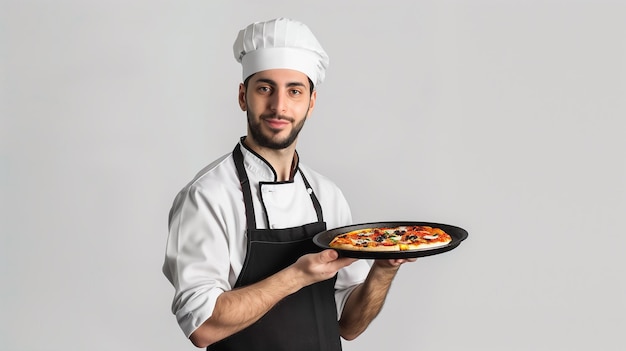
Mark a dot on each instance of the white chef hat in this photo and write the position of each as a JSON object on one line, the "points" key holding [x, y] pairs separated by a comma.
{"points": [[280, 43]]}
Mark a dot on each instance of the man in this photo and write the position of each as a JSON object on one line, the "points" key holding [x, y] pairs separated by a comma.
{"points": [[239, 253]]}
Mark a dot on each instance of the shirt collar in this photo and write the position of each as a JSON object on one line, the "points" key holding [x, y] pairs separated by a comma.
{"points": [[256, 164]]}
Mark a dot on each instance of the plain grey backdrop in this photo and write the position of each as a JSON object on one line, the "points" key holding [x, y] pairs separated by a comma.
{"points": [[502, 117]]}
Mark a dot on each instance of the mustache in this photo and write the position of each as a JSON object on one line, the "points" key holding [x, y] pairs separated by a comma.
{"points": [[277, 116]]}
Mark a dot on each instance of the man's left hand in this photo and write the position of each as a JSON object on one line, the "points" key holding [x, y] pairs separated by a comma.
{"points": [[393, 263]]}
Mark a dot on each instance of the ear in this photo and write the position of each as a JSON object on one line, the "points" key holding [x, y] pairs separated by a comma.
{"points": [[312, 103], [242, 97]]}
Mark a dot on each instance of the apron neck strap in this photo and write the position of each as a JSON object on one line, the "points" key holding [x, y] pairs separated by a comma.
{"points": [[245, 187], [316, 203]]}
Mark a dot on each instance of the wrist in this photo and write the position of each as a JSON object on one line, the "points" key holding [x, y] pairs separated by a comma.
{"points": [[382, 273], [386, 266], [292, 279]]}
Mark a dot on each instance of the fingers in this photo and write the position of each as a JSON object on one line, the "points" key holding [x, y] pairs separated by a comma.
{"points": [[404, 260], [320, 266], [394, 263]]}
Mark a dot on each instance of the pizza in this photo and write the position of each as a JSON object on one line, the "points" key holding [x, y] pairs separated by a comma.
{"points": [[401, 238]]}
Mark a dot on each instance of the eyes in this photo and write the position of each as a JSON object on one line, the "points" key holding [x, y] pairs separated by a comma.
{"points": [[268, 90]]}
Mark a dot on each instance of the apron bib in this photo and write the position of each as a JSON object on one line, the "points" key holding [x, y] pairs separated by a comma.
{"points": [[305, 320]]}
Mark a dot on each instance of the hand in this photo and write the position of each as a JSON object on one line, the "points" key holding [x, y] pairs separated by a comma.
{"points": [[320, 266], [393, 263]]}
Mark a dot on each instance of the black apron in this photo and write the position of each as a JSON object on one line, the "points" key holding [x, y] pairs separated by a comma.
{"points": [[305, 320]]}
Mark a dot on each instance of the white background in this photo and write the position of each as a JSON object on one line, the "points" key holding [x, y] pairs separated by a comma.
{"points": [[502, 117]]}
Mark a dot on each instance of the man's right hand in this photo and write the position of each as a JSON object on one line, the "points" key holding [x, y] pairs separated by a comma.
{"points": [[320, 266]]}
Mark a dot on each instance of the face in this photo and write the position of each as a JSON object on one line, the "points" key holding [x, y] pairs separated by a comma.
{"points": [[277, 103]]}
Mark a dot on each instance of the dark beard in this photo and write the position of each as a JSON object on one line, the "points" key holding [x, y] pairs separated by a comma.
{"points": [[266, 141]]}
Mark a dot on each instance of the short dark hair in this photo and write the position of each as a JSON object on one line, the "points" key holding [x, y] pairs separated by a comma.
{"points": [[245, 83]]}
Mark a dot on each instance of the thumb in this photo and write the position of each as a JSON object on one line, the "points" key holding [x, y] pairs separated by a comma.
{"points": [[328, 256]]}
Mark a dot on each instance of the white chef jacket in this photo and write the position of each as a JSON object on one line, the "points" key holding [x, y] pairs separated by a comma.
{"points": [[206, 246]]}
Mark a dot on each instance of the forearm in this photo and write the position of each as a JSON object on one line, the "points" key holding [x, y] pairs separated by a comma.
{"points": [[365, 302], [239, 308]]}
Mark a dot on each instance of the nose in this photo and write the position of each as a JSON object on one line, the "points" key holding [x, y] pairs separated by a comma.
{"points": [[278, 103]]}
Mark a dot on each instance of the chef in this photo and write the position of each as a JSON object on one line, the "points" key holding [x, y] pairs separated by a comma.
{"points": [[239, 254]]}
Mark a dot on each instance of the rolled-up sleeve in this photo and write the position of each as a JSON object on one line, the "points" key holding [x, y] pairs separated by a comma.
{"points": [[196, 259]]}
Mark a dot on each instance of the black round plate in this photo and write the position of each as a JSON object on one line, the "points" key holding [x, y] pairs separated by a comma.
{"points": [[324, 238]]}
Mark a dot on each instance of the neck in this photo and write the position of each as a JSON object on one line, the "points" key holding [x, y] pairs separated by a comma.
{"points": [[281, 160]]}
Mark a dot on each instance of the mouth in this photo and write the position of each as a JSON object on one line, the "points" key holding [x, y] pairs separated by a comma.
{"points": [[276, 123]]}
